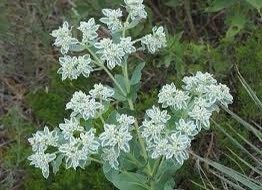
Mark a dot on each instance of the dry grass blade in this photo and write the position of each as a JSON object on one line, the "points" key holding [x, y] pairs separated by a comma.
{"points": [[249, 90], [235, 175], [249, 127], [234, 141]]}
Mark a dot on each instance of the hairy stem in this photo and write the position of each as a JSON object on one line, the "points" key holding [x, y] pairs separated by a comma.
{"points": [[99, 63], [131, 106], [125, 25]]}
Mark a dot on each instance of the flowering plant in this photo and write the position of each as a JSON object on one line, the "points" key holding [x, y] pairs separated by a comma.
{"points": [[134, 154]]}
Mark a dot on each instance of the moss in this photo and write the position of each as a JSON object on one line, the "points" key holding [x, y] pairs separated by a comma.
{"points": [[47, 106]]}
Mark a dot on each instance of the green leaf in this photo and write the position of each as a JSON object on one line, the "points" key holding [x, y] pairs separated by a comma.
{"points": [[169, 184], [121, 80], [133, 91], [218, 5], [109, 172], [237, 23], [112, 117], [255, 3], [166, 172], [136, 77], [87, 124], [130, 181], [118, 94]]}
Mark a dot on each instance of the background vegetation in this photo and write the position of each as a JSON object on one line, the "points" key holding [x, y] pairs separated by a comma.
{"points": [[223, 37]]}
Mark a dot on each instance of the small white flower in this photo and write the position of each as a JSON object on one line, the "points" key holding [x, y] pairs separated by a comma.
{"points": [[187, 127], [155, 41], [153, 127], [177, 149], [102, 92], [74, 155], [170, 96], [127, 45], [201, 115], [159, 148], [136, 9], [69, 127], [125, 120], [111, 155], [152, 131], [42, 139], [84, 105], [111, 19], [115, 136], [72, 67], [158, 116], [89, 30], [68, 67], [84, 66], [110, 52], [89, 142], [199, 83], [42, 160], [201, 102], [225, 96], [219, 94], [64, 38]]}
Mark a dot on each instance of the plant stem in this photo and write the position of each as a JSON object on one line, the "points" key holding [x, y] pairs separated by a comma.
{"points": [[102, 119], [125, 24], [114, 80], [96, 160], [131, 106], [125, 72], [99, 63], [157, 164]]}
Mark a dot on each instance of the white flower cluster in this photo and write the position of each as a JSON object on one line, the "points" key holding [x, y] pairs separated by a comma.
{"points": [[74, 143], [84, 106], [89, 30], [170, 96], [115, 139], [90, 106], [111, 19], [64, 38], [72, 67], [155, 41], [74, 149], [200, 96], [136, 9], [40, 142], [102, 92], [112, 50]]}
